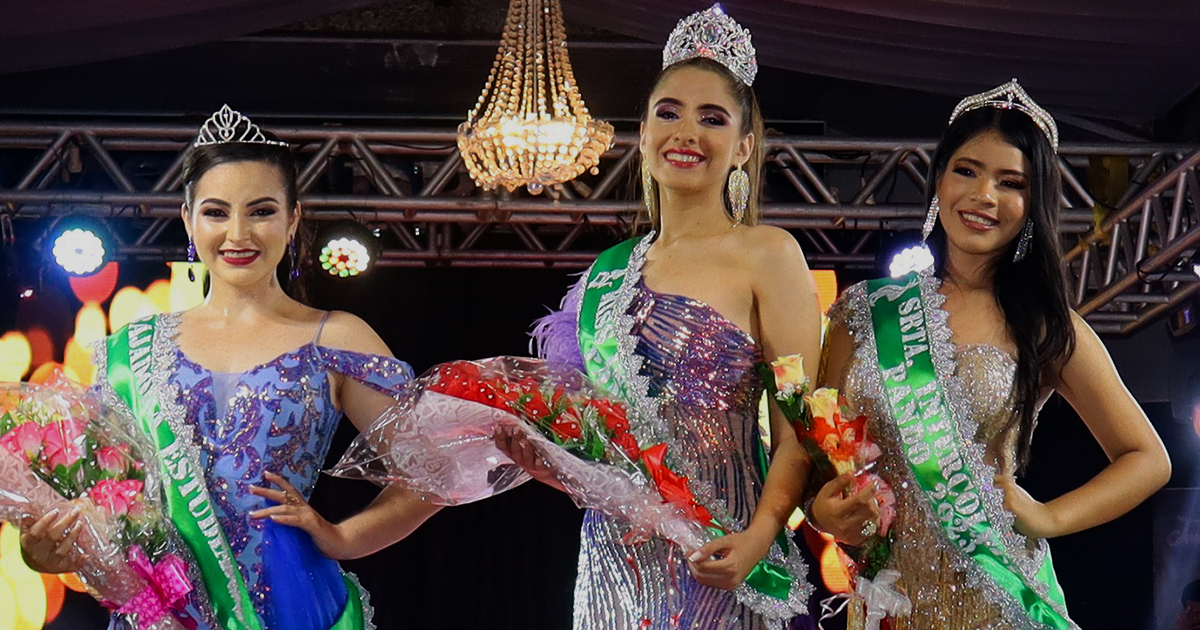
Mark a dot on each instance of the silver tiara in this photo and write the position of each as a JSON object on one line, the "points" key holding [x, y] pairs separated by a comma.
{"points": [[713, 34], [1011, 96], [228, 126]]}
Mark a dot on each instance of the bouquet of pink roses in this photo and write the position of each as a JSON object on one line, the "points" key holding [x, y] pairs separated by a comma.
{"points": [[61, 448]]}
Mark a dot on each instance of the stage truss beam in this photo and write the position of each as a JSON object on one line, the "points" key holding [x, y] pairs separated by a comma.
{"points": [[837, 195]]}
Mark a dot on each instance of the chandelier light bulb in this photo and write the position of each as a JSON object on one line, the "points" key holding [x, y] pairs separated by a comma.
{"points": [[530, 126]]}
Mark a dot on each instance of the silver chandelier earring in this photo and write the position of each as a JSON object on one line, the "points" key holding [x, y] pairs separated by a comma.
{"points": [[930, 219], [1024, 243], [738, 187], [647, 188]]}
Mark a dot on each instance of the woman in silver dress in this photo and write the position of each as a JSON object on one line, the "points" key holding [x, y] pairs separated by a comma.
{"points": [[951, 369], [673, 324]]}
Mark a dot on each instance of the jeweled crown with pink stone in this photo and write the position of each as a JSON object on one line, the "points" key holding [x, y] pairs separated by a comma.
{"points": [[713, 34]]}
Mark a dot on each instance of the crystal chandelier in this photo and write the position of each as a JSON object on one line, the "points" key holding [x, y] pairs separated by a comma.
{"points": [[530, 127]]}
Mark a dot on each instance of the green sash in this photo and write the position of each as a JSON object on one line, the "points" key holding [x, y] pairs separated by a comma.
{"points": [[599, 341], [935, 451], [598, 310], [188, 505]]}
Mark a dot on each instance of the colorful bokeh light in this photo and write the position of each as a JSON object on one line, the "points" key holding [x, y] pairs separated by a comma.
{"points": [[344, 257]]}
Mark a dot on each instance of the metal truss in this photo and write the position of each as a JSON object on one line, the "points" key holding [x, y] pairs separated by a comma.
{"points": [[1135, 266], [843, 198]]}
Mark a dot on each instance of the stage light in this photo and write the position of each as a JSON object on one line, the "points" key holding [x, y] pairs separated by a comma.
{"points": [[347, 249], [80, 245], [909, 259], [344, 257]]}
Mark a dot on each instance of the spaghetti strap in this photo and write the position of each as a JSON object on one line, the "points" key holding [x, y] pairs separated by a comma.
{"points": [[320, 327]]}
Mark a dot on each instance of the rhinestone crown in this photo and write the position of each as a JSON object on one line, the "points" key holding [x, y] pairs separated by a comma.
{"points": [[1011, 96], [227, 126], [713, 34]]}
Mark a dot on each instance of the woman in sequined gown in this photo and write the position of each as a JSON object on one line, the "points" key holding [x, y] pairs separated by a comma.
{"points": [[705, 296], [255, 383], [1004, 338]]}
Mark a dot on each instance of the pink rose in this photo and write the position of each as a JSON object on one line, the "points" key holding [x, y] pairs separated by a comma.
{"points": [[116, 497], [62, 443], [25, 441], [112, 459]]}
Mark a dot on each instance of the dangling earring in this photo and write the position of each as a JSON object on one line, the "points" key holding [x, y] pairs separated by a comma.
{"points": [[1025, 241], [738, 188], [647, 188], [293, 260], [930, 219], [191, 255]]}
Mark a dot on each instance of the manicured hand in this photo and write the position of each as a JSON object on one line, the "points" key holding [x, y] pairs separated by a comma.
{"points": [[291, 509], [48, 545], [1034, 518], [725, 562], [514, 443], [845, 517]]}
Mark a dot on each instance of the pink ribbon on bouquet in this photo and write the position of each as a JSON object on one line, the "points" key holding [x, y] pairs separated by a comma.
{"points": [[166, 590]]}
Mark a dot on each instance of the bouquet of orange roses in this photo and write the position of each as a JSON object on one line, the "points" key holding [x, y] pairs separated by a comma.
{"points": [[838, 442]]}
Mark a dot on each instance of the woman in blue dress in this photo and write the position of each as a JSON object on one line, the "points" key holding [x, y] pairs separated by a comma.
{"points": [[244, 392]]}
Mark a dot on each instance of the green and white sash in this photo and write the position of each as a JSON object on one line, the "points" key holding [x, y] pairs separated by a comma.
{"points": [[134, 377], [776, 587], [936, 451], [132, 374]]}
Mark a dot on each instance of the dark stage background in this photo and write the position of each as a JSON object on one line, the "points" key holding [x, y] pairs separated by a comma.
{"points": [[509, 563]]}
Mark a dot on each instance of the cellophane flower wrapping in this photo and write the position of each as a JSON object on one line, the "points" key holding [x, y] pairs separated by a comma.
{"points": [[439, 441], [60, 448], [838, 442]]}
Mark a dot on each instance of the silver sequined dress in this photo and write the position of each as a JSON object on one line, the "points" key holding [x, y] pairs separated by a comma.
{"points": [[701, 372], [943, 594]]}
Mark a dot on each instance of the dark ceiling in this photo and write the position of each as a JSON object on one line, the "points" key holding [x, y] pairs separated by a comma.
{"points": [[826, 68]]}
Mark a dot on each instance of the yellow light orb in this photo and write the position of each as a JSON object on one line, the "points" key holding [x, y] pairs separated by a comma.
{"points": [[159, 294], [186, 294], [127, 305], [16, 356], [77, 358], [24, 583], [90, 324]]}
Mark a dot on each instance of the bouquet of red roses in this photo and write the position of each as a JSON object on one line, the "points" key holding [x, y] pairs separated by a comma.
{"points": [[60, 448], [439, 441]]}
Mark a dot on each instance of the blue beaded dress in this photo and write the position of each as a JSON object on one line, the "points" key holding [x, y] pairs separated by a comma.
{"points": [[279, 417], [701, 372]]}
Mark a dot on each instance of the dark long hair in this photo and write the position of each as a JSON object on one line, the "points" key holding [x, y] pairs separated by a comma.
{"points": [[1031, 293], [752, 123], [201, 159]]}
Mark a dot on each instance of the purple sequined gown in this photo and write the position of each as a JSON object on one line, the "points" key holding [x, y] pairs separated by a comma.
{"points": [[701, 370], [278, 417]]}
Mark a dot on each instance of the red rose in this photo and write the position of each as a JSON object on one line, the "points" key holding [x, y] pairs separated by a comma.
{"points": [[627, 443], [671, 486], [567, 428], [611, 414], [534, 406]]}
